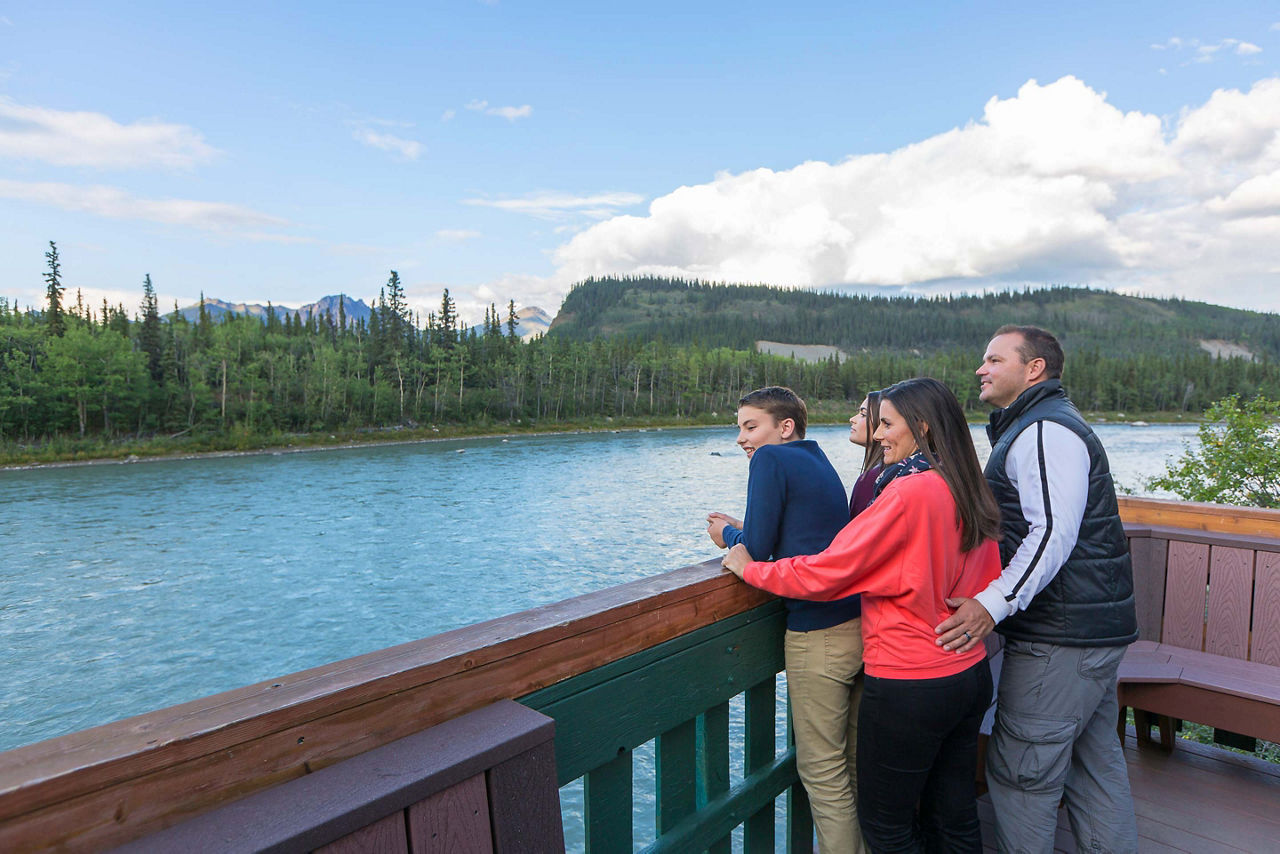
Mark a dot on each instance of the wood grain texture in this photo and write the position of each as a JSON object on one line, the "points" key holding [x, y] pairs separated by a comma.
{"points": [[1223, 518], [455, 821], [759, 747], [1230, 602], [606, 796], [524, 804], [1150, 557], [104, 786], [382, 837], [1265, 647], [333, 802], [1184, 595], [713, 764], [673, 765]]}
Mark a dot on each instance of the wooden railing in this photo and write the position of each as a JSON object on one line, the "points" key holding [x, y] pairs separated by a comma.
{"points": [[103, 786]]}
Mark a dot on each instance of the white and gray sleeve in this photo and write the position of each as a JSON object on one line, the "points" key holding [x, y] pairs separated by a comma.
{"points": [[1049, 466]]}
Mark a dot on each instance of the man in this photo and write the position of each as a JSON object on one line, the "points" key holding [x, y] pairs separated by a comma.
{"points": [[796, 505], [1064, 604]]}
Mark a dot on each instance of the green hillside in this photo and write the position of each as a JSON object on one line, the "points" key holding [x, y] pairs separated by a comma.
{"points": [[1086, 320]]}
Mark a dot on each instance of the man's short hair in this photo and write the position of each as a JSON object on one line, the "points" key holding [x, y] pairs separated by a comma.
{"points": [[1037, 343], [781, 403]]}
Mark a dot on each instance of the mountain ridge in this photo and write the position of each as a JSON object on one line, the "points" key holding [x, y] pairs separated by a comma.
{"points": [[737, 316]]}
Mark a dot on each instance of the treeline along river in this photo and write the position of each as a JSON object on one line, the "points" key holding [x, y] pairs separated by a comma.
{"points": [[126, 588]]}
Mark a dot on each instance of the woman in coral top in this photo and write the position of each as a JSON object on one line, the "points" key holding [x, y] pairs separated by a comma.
{"points": [[928, 535]]}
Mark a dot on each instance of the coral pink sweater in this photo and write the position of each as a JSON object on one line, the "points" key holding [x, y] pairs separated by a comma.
{"points": [[903, 555]]}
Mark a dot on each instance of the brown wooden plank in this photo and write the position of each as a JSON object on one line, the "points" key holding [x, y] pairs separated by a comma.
{"points": [[1223, 518], [1225, 711], [107, 785], [1230, 602], [333, 802], [1150, 556], [524, 803], [1265, 645], [1205, 798], [1211, 538], [382, 837], [1185, 589], [455, 820]]}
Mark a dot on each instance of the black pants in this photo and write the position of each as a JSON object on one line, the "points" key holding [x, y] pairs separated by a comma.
{"points": [[917, 757]]}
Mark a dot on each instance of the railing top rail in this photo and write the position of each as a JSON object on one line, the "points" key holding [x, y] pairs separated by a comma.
{"points": [[1192, 516], [104, 785]]}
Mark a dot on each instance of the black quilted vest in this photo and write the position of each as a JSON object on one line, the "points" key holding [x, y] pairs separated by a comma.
{"points": [[1090, 600]]}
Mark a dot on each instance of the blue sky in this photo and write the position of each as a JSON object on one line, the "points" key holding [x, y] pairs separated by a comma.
{"points": [[505, 150]]}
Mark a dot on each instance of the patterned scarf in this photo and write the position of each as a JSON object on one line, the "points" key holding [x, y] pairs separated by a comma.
{"points": [[910, 465]]}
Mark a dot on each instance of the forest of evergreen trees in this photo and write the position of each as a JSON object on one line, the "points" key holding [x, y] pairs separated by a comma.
{"points": [[77, 371]]}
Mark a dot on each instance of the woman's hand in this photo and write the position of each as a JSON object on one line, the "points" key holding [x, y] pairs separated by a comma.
{"points": [[737, 559]]}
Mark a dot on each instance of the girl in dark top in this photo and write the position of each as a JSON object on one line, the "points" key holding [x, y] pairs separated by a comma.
{"points": [[862, 427]]}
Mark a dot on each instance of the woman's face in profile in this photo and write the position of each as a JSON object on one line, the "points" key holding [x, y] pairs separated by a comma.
{"points": [[858, 434], [894, 435]]}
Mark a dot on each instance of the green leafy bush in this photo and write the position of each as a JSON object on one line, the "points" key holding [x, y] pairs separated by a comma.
{"points": [[1238, 458]]}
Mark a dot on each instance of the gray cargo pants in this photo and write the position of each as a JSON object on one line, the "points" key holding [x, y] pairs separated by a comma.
{"points": [[1055, 734]]}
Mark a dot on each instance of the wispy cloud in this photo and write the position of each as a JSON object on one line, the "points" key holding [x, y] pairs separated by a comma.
{"points": [[1207, 52], [78, 138], [508, 113], [457, 235], [115, 203], [409, 149], [560, 205], [448, 115]]}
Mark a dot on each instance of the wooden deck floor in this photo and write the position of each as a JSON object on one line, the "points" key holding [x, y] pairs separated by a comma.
{"points": [[1198, 799]]}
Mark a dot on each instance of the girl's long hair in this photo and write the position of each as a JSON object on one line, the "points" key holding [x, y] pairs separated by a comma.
{"points": [[948, 446], [873, 451]]}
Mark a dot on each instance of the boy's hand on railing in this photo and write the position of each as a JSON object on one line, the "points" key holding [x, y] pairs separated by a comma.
{"points": [[716, 523], [737, 559]]}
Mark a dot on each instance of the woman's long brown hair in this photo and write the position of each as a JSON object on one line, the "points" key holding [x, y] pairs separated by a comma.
{"points": [[873, 451], [948, 446]]}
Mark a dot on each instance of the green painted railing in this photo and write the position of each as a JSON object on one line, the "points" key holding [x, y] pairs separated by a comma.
{"points": [[677, 694]]}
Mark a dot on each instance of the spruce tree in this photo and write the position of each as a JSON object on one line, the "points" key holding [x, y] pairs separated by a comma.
{"points": [[512, 320], [447, 322], [54, 321], [150, 340]]}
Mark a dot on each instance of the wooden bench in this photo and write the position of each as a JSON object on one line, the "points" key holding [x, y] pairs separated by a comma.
{"points": [[1209, 622], [482, 782]]}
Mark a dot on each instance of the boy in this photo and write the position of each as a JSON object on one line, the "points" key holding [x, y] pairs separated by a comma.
{"points": [[795, 506]]}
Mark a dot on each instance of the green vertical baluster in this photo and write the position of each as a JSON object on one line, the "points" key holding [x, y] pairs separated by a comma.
{"points": [[713, 762], [674, 757], [758, 751], [799, 819], [607, 793]]}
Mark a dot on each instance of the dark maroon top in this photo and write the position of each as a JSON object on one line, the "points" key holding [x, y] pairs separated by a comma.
{"points": [[864, 489]]}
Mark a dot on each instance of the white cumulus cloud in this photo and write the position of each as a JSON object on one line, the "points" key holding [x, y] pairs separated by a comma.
{"points": [[79, 138], [1053, 185]]}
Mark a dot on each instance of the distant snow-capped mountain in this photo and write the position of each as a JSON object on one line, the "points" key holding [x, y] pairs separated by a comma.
{"points": [[533, 322], [356, 309]]}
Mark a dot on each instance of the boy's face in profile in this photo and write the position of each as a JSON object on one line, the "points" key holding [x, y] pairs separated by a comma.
{"points": [[756, 427]]}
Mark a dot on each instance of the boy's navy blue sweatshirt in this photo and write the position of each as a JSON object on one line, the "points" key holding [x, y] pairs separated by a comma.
{"points": [[795, 506]]}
